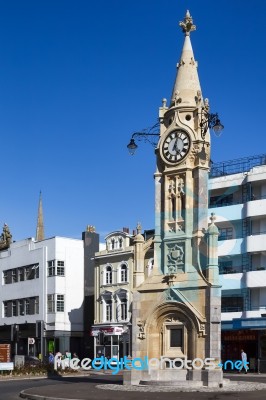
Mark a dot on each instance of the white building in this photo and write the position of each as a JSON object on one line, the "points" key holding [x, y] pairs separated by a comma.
{"points": [[115, 278], [42, 295], [238, 199]]}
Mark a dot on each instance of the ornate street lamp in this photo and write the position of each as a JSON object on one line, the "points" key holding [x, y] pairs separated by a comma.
{"points": [[148, 135], [208, 120]]}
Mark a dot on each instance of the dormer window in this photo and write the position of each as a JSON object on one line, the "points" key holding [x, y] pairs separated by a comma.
{"points": [[112, 243]]}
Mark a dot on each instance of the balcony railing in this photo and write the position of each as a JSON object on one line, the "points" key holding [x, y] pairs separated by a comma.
{"points": [[236, 166], [230, 203], [239, 269], [257, 233], [232, 309], [241, 309], [231, 270]]}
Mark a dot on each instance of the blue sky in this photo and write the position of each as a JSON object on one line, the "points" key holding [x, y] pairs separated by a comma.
{"points": [[77, 78]]}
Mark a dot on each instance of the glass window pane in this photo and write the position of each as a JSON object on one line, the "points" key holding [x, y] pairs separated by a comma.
{"points": [[175, 337]]}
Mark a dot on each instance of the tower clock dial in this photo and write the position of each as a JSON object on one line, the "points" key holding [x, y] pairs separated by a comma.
{"points": [[176, 146]]}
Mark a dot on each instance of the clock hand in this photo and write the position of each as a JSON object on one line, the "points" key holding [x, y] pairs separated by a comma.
{"points": [[175, 146]]}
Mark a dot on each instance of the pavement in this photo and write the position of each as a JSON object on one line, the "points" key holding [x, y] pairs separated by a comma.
{"points": [[105, 386]]}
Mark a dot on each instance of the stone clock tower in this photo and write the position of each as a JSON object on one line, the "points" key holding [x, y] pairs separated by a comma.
{"points": [[176, 309]]}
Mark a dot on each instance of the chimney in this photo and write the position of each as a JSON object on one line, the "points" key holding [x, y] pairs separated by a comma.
{"points": [[126, 230], [134, 232]]}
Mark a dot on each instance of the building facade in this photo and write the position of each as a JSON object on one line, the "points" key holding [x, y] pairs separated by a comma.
{"points": [[238, 199], [114, 282], [42, 295]]}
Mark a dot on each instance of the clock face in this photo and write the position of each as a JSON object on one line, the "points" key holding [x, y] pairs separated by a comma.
{"points": [[176, 146]]}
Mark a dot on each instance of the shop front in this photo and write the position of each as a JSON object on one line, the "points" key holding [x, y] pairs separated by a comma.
{"points": [[111, 341], [234, 341]]}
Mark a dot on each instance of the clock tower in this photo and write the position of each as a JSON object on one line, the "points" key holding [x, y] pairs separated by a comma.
{"points": [[176, 308]]}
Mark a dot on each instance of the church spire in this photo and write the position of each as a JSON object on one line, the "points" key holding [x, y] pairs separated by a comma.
{"points": [[186, 89], [40, 227]]}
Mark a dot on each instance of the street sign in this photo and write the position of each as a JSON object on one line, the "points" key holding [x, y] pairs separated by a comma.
{"points": [[31, 340]]}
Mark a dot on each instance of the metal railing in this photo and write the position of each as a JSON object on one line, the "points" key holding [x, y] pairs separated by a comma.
{"points": [[237, 166]]}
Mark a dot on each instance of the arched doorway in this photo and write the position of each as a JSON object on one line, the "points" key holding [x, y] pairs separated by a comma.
{"points": [[172, 332]]}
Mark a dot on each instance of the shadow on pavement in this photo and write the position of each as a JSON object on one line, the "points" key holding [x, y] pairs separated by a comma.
{"points": [[118, 380]]}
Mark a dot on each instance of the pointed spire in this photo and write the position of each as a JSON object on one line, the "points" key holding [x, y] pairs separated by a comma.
{"points": [[187, 89], [40, 227]]}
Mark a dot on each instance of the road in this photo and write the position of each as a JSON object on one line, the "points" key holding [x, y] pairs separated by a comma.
{"points": [[9, 390]]}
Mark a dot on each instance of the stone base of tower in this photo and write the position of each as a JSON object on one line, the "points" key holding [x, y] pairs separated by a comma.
{"points": [[173, 377]]}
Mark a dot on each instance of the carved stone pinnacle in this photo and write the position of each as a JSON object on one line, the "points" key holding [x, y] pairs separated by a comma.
{"points": [[187, 24]]}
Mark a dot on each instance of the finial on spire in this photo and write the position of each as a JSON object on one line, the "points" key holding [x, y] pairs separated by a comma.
{"points": [[40, 227], [139, 228], [187, 24]]}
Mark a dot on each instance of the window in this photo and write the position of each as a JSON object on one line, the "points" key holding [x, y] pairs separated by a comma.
{"points": [[26, 273], [32, 272], [51, 268], [232, 303], [60, 268], [21, 307], [27, 306], [225, 267], [50, 303], [14, 308], [36, 305], [222, 200], [120, 240], [60, 304], [123, 273], [108, 310], [123, 310], [36, 267], [56, 268], [122, 305], [108, 275], [14, 275], [20, 274], [225, 234], [176, 337], [5, 308], [5, 277]]}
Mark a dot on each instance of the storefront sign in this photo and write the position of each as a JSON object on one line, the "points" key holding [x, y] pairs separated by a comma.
{"points": [[108, 331]]}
